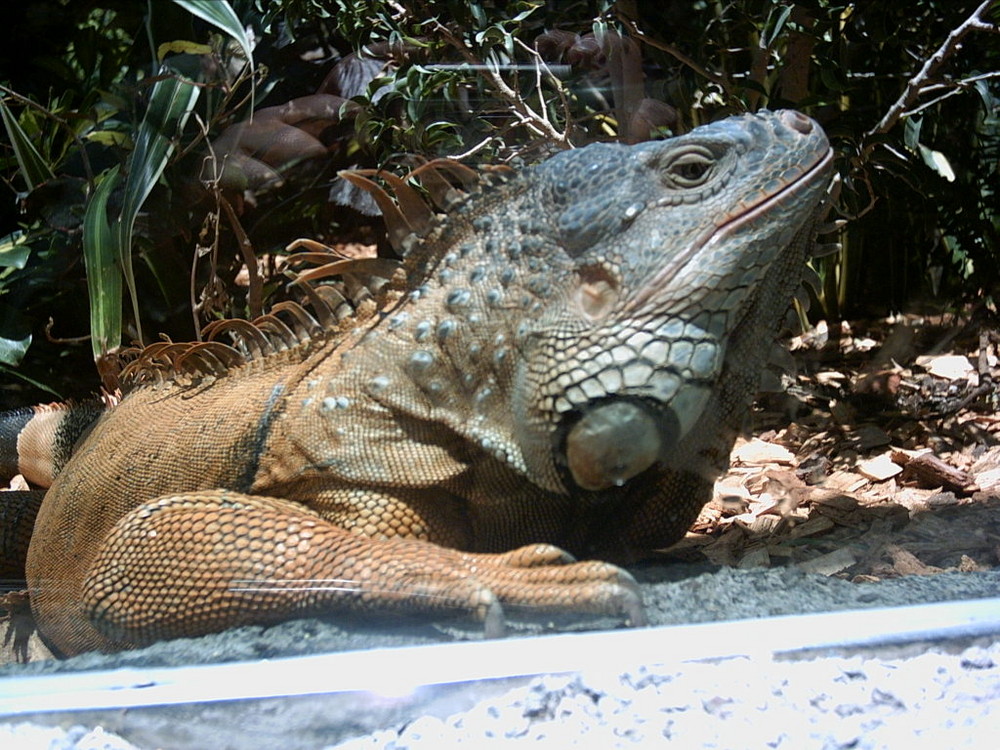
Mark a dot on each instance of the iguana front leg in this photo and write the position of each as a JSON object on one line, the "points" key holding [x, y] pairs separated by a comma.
{"points": [[194, 563]]}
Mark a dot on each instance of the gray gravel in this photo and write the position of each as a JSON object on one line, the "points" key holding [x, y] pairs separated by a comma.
{"points": [[879, 700], [933, 700], [930, 701]]}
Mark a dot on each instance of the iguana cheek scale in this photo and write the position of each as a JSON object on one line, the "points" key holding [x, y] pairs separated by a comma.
{"points": [[561, 361]]}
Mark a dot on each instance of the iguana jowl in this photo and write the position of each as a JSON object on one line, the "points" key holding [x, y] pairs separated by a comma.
{"points": [[567, 362]]}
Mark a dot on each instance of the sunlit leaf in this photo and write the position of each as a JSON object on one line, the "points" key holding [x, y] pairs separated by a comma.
{"points": [[911, 132], [938, 162], [14, 250], [220, 14], [779, 25], [181, 46], [109, 138]]}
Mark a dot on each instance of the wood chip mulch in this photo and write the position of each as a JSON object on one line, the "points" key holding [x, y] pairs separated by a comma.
{"points": [[878, 460]]}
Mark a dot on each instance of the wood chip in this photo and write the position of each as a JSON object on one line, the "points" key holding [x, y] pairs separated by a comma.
{"points": [[865, 578], [880, 468], [830, 563], [845, 481], [812, 527], [948, 366], [756, 557], [931, 471], [17, 484], [988, 480], [757, 524], [759, 453], [905, 563], [830, 377], [870, 436], [913, 497]]}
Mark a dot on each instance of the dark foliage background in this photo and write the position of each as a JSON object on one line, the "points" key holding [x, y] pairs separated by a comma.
{"points": [[915, 122]]}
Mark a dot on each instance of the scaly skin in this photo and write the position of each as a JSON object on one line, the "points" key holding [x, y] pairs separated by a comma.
{"points": [[567, 363]]}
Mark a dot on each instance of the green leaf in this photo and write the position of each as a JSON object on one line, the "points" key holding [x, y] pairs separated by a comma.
{"points": [[171, 101], [12, 350], [911, 132], [33, 167], [109, 138], [779, 25], [529, 9], [104, 278], [14, 250], [220, 14]]}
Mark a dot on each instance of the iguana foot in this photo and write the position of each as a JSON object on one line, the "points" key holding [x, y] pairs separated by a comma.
{"points": [[196, 563], [544, 578]]}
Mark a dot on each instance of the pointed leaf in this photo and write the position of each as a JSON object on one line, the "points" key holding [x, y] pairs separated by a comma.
{"points": [[938, 162], [33, 167], [10, 373], [181, 46], [104, 278], [171, 101]]}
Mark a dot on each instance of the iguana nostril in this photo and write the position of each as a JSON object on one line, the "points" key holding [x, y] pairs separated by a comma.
{"points": [[796, 121], [611, 444]]}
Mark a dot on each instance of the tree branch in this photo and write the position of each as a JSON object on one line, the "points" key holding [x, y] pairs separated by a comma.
{"points": [[915, 86], [537, 123]]}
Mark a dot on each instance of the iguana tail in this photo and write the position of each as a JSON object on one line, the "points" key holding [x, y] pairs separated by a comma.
{"points": [[37, 441]]}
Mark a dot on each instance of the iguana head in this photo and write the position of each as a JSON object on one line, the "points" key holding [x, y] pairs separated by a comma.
{"points": [[650, 258]]}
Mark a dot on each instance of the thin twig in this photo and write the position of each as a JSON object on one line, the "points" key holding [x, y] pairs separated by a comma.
{"points": [[538, 124], [59, 339], [540, 67], [675, 53], [475, 149], [225, 109], [213, 185], [958, 87]]}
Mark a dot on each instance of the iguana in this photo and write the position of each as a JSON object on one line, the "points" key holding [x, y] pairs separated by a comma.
{"points": [[561, 362]]}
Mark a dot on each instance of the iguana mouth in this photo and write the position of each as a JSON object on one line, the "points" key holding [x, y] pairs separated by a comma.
{"points": [[742, 215], [797, 179]]}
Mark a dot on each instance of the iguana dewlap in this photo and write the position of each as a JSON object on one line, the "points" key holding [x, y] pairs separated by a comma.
{"points": [[562, 363]]}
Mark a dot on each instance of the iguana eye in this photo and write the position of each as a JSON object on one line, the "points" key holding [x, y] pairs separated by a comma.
{"points": [[690, 169]]}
